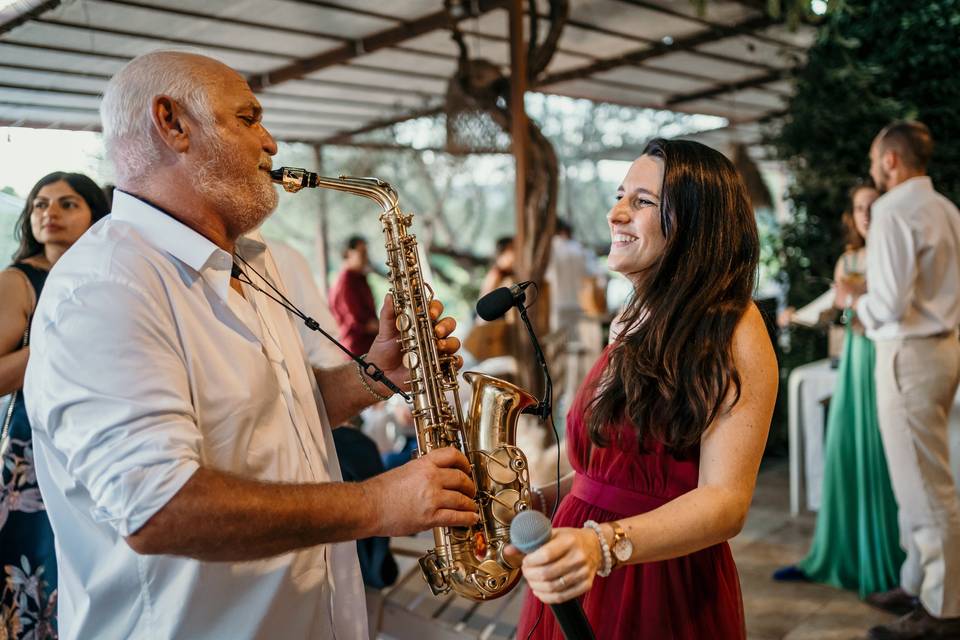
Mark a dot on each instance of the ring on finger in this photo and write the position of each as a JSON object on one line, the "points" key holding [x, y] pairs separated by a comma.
{"points": [[563, 583]]}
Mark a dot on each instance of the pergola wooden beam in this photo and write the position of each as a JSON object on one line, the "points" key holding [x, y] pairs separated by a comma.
{"points": [[726, 87], [344, 138], [731, 30], [381, 40], [38, 10], [657, 49], [186, 13]]}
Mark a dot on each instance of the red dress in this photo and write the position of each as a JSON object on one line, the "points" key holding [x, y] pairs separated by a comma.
{"points": [[693, 597]]}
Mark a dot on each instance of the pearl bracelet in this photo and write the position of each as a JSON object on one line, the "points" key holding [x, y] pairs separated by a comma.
{"points": [[366, 385], [607, 565]]}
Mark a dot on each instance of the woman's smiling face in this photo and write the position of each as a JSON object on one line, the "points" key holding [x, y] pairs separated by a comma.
{"points": [[637, 240]]}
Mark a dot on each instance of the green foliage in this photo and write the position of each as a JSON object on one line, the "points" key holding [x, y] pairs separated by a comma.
{"points": [[873, 61]]}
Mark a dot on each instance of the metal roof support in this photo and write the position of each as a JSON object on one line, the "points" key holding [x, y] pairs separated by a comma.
{"points": [[344, 138], [716, 90], [659, 49], [387, 38], [518, 127], [323, 226], [15, 21]]}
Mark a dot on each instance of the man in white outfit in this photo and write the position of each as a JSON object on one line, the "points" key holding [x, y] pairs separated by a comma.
{"points": [[912, 311], [183, 443]]}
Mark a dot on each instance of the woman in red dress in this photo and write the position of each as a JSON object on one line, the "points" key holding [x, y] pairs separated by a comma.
{"points": [[666, 434]]}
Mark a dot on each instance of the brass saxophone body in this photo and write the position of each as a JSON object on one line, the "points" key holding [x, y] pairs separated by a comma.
{"points": [[468, 560]]}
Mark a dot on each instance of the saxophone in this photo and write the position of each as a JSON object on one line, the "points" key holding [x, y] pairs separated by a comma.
{"points": [[468, 560]]}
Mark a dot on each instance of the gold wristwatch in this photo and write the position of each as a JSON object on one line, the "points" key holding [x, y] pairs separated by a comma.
{"points": [[622, 547]]}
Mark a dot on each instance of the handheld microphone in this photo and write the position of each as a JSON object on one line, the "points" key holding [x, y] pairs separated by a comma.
{"points": [[529, 531], [496, 303]]}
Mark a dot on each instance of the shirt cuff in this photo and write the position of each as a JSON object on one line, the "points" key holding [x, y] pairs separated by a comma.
{"points": [[130, 500]]}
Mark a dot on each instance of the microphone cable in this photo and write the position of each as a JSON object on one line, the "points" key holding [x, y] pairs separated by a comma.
{"points": [[370, 369]]}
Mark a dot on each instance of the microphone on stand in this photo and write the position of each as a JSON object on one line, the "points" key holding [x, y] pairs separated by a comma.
{"points": [[529, 531], [495, 305]]}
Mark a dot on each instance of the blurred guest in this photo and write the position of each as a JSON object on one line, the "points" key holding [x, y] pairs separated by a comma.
{"points": [[351, 299], [667, 432], [911, 311], [570, 273], [856, 544], [501, 272], [59, 208]]}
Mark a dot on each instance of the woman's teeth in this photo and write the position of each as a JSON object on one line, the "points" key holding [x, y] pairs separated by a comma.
{"points": [[622, 238]]}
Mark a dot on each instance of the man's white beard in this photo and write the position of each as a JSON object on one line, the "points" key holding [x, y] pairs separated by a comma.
{"points": [[247, 198]]}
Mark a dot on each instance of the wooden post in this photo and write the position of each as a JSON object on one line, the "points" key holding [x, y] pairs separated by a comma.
{"points": [[322, 241], [518, 129]]}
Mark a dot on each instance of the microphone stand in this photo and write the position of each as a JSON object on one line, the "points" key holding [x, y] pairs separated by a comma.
{"points": [[543, 408]]}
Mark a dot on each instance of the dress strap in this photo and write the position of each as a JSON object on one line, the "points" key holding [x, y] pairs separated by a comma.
{"points": [[36, 276], [612, 498]]}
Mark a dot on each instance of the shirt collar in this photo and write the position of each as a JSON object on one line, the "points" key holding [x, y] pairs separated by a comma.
{"points": [[173, 237], [905, 191]]}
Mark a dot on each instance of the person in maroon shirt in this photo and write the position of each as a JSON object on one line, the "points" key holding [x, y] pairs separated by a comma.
{"points": [[351, 299]]}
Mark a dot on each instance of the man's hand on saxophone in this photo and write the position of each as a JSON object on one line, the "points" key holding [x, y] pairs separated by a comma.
{"points": [[345, 393], [434, 490], [385, 351]]}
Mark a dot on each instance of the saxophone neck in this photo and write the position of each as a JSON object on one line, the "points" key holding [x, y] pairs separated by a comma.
{"points": [[293, 180]]}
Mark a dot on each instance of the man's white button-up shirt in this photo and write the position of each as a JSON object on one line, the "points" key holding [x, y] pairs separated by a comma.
{"points": [[913, 264], [145, 365]]}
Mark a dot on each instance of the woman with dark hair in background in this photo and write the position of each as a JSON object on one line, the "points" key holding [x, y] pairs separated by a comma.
{"points": [[856, 544], [59, 208], [666, 433]]}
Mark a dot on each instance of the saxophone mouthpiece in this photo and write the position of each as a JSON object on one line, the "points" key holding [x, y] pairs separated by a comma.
{"points": [[293, 179]]}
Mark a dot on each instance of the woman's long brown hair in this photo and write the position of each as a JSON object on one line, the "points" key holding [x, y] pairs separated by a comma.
{"points": [[672, 366]]}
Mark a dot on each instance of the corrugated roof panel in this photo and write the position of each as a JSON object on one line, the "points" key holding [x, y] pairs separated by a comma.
{"points": [[408, 9], [721, 71], [752, 50], [605, 93], [667, 81], [440, 42], [29, 96], [155, 23], [371, 111], [299, 15], [49, 79], [35, 33], [319, 92], [729, 110], [385, 79], [563, 62], [404, 60], [757, 97], [642, 23], [64, 117], [596, 44], [11, 53], [718, 11]]}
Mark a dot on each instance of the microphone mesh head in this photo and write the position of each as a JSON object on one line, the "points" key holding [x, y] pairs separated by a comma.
{"points": [[496, 303], [529, 530]]}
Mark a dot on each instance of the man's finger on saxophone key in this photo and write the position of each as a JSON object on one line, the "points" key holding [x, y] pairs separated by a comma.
{"points": [[449, 458], [458, 481], [448, 345]]}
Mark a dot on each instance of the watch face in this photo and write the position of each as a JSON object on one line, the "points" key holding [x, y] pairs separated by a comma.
{"points": [[623, 549]]}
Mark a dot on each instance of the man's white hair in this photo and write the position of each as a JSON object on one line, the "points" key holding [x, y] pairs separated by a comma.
{"points": [[132, 143]]}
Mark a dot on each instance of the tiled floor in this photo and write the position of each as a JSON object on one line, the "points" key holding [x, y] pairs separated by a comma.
{"points": [[790, 611]]}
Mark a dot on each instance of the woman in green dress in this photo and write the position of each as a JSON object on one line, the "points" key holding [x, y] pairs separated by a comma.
{"points": [[856, 542]]}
